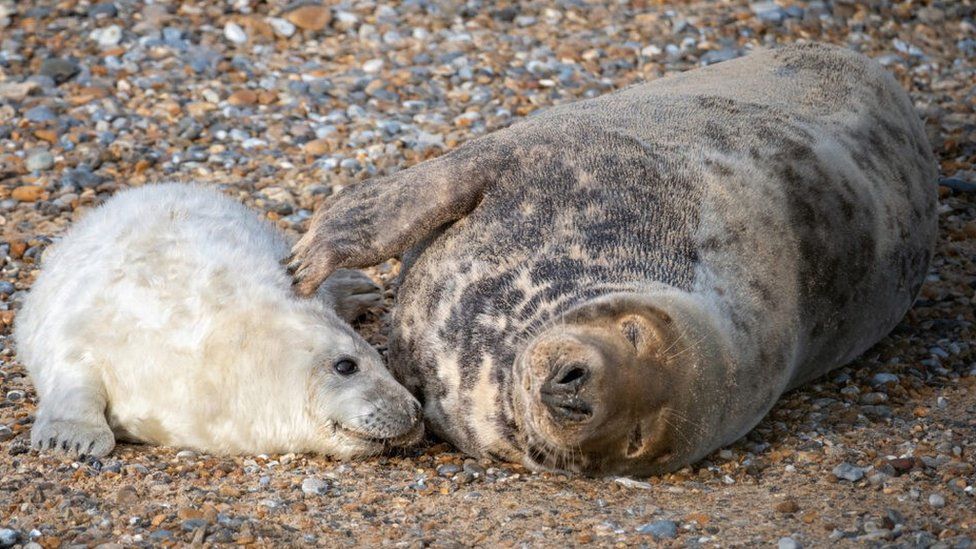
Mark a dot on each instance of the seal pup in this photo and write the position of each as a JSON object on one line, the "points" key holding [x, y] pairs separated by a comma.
{"points": [[624, 284], [165, 317]]}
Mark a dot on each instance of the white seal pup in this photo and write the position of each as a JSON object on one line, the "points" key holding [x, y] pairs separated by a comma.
{"points": [[165, 317], [624, 284]]}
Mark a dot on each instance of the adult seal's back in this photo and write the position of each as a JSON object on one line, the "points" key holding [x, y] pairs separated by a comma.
{"points": [[626, 283]]}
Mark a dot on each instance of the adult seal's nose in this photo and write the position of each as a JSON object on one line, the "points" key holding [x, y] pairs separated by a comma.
{"points": [[561, 394]]}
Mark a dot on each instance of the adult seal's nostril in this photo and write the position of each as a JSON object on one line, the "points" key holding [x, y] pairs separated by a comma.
{"points": [[568, 378]]}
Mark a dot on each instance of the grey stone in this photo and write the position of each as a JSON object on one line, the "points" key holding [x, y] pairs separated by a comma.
{"points": [[193, 524], [877, 411], [788, 543], [106, 10], [314, 486], [448, 469], [474, 468], [161, 535], [768, 11], [882, 378], [40, 114], [58, 69], [80, 178], [173, 36], [660, 529], [39, 161], [9, 537], [846, 471]]}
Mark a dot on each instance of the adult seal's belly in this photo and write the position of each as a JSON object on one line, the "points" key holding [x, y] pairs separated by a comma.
{"points": [[626, 283]]}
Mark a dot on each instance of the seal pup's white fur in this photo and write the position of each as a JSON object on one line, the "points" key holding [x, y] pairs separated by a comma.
{"points": [[165, 317]]}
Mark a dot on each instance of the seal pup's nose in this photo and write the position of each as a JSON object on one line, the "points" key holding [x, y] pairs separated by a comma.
{"points": [[561, 394]]}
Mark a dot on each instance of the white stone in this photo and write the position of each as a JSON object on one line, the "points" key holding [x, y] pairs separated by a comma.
{"points": [[373, 66], [234, 33], [281, 27], [651, 50], [107, 37], [314, 486]]}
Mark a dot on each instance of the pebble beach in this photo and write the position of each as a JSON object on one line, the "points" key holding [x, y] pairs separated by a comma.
{"points": [[282, 105]]}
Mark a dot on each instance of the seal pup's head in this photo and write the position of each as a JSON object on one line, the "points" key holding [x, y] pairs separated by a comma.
{"points": [[354, 402], [607, 388]]}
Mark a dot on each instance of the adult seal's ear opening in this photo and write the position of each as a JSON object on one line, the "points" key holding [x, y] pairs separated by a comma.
{"points": [[611, 386]]}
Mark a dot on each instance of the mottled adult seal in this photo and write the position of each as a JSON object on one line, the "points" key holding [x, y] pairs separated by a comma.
{"points": [[626, 283], [165, 317]]}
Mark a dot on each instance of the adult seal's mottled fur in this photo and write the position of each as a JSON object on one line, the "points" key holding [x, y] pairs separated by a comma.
{"points": [[626, 283]]}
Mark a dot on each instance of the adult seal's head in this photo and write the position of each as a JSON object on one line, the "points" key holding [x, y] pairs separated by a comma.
{"points": [[610, 387]]}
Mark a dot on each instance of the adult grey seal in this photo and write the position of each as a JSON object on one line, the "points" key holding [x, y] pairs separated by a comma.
{"points": [[627, 283]]}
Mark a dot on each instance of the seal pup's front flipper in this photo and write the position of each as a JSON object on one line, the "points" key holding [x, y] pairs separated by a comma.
{"points": [[350, 293], [71, 416], [381, 218]]}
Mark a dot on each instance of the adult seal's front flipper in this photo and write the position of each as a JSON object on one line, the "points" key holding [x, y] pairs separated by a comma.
{"points": [[381, 218]]}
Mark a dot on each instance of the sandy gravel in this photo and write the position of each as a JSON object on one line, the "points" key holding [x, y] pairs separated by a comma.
{"points": [[281, 107]]}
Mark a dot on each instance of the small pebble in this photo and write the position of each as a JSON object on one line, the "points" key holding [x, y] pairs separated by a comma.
{"points": [[234, 33], [936, 500], [107, 37], [448, 469], [883, 378], [39, 161], [161, 535], [846, 471], [103, 10], [660, 529], [373, 66], [314, 486], [474, 468], [40, 114], [193, 524], [282, 27], [788, 543], [59, 70], [312, 17], [768, 11], [9, 537]]}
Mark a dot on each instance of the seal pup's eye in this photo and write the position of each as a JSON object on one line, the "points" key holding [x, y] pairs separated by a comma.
{"points": [[345, 367]]}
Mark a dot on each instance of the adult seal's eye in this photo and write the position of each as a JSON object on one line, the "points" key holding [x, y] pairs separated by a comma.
{"points": [[345, 367]]}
